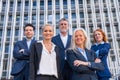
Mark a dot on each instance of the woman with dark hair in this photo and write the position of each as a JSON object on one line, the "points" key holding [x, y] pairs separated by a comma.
{"points": [[83, 61], [101, 48]]}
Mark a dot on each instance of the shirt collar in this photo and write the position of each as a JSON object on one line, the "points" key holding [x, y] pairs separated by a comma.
{"points": [[28, 39], [81, 50], [63, 36], [99, 43]]}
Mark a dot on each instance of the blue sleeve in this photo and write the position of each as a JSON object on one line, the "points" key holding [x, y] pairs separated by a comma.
{"points": [[104, 50], [20, 55]]}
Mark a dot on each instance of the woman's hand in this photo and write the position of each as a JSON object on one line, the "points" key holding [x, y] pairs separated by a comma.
{"points": [[79, 62], [97, 60]]}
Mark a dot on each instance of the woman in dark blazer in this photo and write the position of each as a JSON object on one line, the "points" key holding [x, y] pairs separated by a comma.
{"points": [[83, 62], [45, 62], [101, 48]]}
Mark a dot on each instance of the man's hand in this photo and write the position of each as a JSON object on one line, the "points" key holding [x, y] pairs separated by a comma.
{"points": [[21, 51]]}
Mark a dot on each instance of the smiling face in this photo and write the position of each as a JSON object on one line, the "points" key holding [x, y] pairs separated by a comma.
{"points": [[29, 32], [48, 32], [63, 26], [98, 36], [80, 38]]}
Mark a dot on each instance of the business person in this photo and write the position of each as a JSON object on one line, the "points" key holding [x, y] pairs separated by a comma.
{"points": [[45, 62], [83, 61], [101, 48], [62, 40], [21, 52]]}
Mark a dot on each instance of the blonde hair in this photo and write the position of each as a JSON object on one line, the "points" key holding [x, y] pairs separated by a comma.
{"points": [[86, 44], [47, 25]]}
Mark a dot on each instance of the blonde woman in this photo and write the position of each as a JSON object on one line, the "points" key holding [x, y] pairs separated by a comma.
{"points": [[45, 59], [83, 62]]}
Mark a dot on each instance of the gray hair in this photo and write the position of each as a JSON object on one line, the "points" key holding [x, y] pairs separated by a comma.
{"points": [[73, 45]]}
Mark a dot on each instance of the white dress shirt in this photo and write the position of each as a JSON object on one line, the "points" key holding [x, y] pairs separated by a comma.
{"points": [[64, 39], [29, 42], [48, 65]]}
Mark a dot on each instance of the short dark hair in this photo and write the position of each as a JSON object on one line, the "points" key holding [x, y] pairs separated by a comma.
{"points": [[29, 24]]}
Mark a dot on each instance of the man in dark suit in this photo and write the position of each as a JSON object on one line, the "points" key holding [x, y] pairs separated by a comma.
{"points": [[63, 41], [21, 52]]}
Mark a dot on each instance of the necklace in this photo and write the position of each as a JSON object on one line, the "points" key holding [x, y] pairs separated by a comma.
{"points": [[48, 46]]}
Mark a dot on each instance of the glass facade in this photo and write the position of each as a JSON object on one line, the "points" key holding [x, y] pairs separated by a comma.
{"points": [[88, 14]]}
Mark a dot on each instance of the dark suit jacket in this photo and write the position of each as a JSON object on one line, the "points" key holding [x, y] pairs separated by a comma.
{"points": [[35, 58], [57, 41], [66, 70], [103, 53], [22, 58], [83, 72]]}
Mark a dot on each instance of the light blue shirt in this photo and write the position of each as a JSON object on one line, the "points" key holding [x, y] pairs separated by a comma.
{"points": [[97, 52], [83, 53]]}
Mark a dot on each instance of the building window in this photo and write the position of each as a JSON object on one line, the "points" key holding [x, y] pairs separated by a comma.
{"points": [[26, 3], [8, 32], [19, 3], [80, 1], [91, 29], [16, 32], [34, 3], [6, 48], [18, 18], [65, 2], [41, 3], [66, 15], [4, 3], [34, 17], [10, 17], [108, 28], [73, 16], [50, 17], [57, 2], [73, 4], [0, 32], [41, 17], [81, 15], [116, 28], [118, 43], [26, 17], [57, 17], [11, 4], [2, 17]]}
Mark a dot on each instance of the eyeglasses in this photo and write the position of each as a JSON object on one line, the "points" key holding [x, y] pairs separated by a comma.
{"points": [[63, 24]]}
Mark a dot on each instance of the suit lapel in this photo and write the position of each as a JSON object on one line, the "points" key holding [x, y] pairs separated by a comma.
{"points": [[60, 41], [57, 58], [39, 48], [25, 43], [68, 41], [79, 55], [33, 40], [88, 54]]}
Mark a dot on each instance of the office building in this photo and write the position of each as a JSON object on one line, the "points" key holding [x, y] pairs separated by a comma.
{"points": [[88, 14]]}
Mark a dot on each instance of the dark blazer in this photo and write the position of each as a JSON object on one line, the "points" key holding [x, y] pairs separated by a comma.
{"points": [[83, 72], [103, 53], [35, 58], [22, 58], [66, 71], [57, 41]]}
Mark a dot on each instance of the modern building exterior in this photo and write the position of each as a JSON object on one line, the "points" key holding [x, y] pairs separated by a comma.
{"points": [[88, 14]]}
